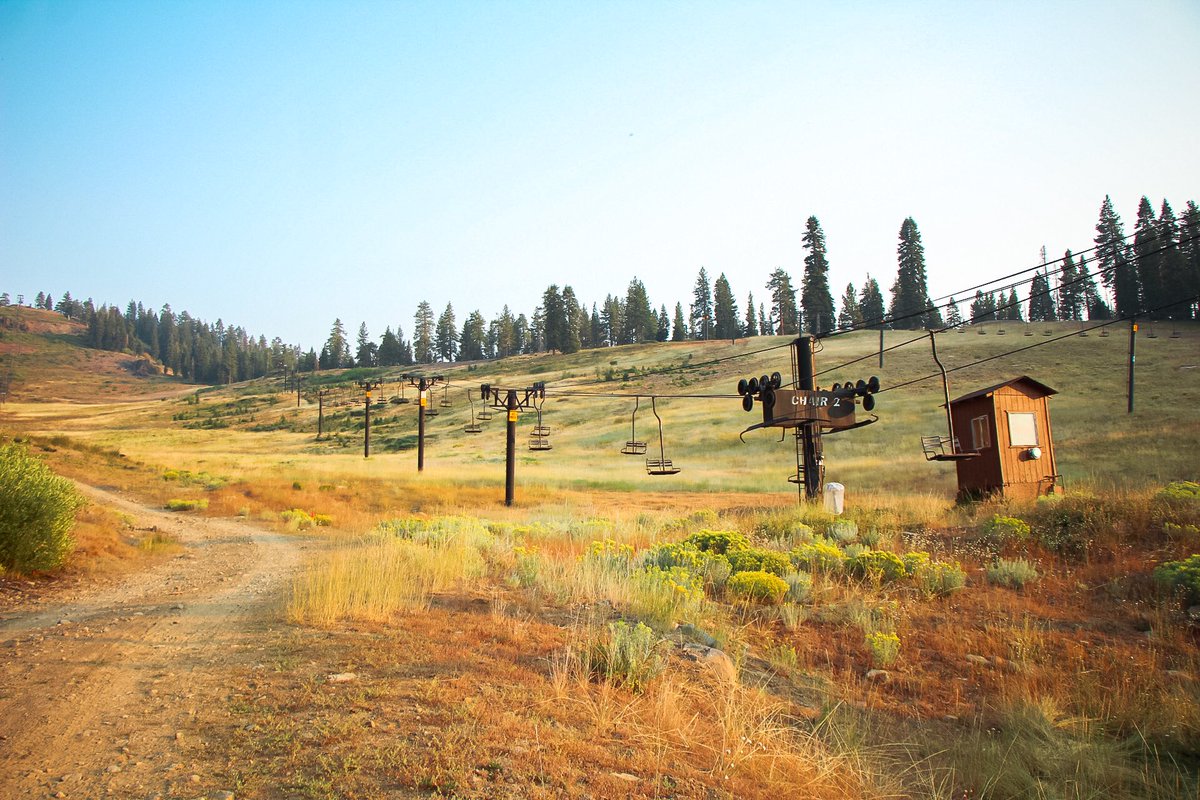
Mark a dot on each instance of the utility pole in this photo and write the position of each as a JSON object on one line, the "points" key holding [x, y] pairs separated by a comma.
{"points": [[811, 460], [511, 401], [424, 386], [881, 346], [367, 386], [1132, 339]]}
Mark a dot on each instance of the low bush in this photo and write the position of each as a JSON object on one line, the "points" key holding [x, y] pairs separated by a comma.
{"points": [[629, 656], [722, 542], [663, 597], [180, 504], [799, 586], [37, 512], [877, 565], [1014, 573], [713, 568], [757, 559], [1181, 578], [939, 578], [1186, 491], [1005, 530], [296, 519], [762, 587], [818, 556], [884, 648]]}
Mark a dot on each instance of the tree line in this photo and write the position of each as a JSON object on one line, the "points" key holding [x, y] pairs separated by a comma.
{"points": [[1153, 272]]}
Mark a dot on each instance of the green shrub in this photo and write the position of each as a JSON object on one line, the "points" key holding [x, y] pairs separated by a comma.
{"points": [[180, 504], [722, 542], [610, 557], [1187, 491], [296, 519], [630, 656], [799, 586], [526, 566], [756, 559], [818, 556], [939, 578], [37, 512], [842, 531], [884, 648], [877, 565], [1003, 530], [1181, 577], [762, 587], [662, 597], [1013, 573], [713, 568], [914, 561], [322, 520]]}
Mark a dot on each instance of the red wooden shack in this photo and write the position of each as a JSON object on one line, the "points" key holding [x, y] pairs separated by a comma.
{"points": [[1009, 426]]}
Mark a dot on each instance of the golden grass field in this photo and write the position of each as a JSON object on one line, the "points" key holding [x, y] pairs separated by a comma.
{"points": [[502, 642]]}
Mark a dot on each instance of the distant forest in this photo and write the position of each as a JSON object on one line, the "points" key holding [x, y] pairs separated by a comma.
{"points": [[1152, 273]]}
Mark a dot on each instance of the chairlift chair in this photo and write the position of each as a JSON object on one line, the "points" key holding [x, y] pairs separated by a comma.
{"points": [[1175, 334], [661, 465], [1151, 334], [445, 401], [539, 437], [634, 447], [401, 399], [472, 426], [934, 447]]}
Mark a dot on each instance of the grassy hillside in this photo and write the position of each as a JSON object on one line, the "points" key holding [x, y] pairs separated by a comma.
{"points": [[46, 361]]}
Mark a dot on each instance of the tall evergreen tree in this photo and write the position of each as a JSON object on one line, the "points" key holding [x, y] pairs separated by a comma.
{"points": [[389, 353], [766, 327], [726, 324], [870, 304], [640, 323], [337, 348], [612, 316], [700, 323], [783, 304], [1189, 248], [1014, 306], [664, 325], [678, 327], [1114, 264], [1041, 300], [1173, 272], [953, 315], [571, 340], [816, 302], [911, 308], [554, 319], [751, 326], [446, 335], [850, 317], [423, 333], [365, 353], [1070, 295], [471, 340], [1148, 252]]}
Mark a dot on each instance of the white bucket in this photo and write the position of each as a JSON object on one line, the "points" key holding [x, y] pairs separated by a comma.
{"points": [[835, 496]]}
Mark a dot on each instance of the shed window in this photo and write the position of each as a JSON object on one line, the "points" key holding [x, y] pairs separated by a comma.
{"points": [[981, 433], [1022, 429]]}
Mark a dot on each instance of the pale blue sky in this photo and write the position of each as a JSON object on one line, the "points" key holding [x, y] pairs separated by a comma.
{"points": [[277, 165]]}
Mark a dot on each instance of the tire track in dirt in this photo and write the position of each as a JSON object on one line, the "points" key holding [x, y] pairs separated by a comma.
{"points": [[101, 688]]}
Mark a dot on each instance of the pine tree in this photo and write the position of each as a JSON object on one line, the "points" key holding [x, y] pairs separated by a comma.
{"points": [[870, 304], [816, 302], [678, 327], [446, 335], [337, 348], [766, 327], [751, 325], [953, 315], [521, 337], [850, 317], [40, 300], [570, 332], [664, 325], [1173, 272], [640, 323], [911, 308], [1041, 300], [1189, 248], [365, 353], [554, 319], [1148, 252], [1070, 299], [700, 323], [1014, 306], [423, 333], [389, 349], [597, 328], [612, 316], [783, 304], [726, 324], [1114, 264], [471, 340]]}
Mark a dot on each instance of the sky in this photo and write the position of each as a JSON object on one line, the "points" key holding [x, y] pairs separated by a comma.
{"points": [[280, 165]]}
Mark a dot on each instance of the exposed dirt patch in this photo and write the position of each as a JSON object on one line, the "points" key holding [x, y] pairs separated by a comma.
{"points": [[102, 688]]}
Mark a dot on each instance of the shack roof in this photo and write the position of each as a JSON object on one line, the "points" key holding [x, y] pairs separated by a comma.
{"points": [[1037, 386]]}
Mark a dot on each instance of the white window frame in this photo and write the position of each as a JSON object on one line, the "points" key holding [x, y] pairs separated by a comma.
{"points": [[981, 433], [1021, 438]]}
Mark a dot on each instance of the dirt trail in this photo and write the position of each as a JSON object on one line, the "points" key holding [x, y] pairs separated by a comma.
{"points": [[101, 688]]}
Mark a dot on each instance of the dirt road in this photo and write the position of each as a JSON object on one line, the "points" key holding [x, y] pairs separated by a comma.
{"points": [[102, 690]]}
